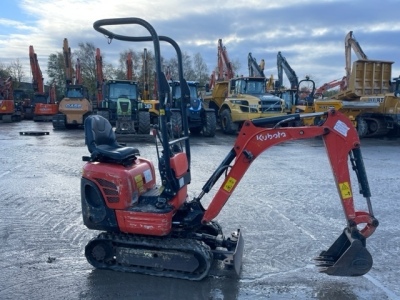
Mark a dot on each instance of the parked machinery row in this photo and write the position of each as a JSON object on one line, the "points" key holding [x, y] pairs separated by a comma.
{"points": [[368, 96]]}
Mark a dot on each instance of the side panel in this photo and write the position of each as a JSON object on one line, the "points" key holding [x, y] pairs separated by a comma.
{"points": [[121, 186]]}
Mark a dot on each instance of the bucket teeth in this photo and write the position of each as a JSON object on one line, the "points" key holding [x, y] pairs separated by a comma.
{"points": [[346, 257], [324, 258], [325, 264]]}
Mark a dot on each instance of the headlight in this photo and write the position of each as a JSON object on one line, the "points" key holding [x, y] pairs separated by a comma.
{"points": [[240, 102]]}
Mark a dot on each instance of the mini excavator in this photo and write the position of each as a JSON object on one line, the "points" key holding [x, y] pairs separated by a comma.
{"points": [[157, 230]]}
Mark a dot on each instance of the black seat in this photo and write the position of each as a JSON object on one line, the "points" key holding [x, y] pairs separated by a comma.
{"points": [[102, 143]]}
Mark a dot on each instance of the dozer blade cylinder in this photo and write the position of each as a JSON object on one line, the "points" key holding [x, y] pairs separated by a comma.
{"points": [[346, 257]]}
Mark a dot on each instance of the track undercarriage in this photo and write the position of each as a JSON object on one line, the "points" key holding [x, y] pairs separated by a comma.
{"points": [[176, 257]]}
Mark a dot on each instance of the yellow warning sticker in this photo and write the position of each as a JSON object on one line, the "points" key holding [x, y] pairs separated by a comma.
{"points": [[345, 190], [139, 183], [230, 183]]}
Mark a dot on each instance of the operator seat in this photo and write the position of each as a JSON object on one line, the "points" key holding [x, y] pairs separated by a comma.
{"points": [[102, 143]]}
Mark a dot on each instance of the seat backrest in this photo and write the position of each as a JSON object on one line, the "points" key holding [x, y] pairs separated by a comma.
{"points": [[98, 131]]}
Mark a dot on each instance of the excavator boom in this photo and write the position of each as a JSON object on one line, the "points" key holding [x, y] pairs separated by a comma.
{"points": [[146, 94], [348, 255], [99, 76], [283, 65], [129, 66], [255, 69], [350, 42], [37, 77], [67, 62], [78, 72], [329, 85], [225, 70]]}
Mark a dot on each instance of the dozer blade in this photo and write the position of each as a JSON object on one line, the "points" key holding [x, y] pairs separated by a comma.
{"points": [[238, 254], [346, 257], [231, 259]]}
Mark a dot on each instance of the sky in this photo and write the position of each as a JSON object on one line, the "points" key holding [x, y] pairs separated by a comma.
{"points": [[310, 34]]}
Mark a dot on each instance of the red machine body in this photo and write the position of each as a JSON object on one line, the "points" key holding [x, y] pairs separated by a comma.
{"points": [[121, 188]]}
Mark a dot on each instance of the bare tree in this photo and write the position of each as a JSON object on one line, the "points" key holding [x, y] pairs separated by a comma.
{"points": [[188, 71], [16, 71], [200, 69], [109, 71], [86, 53], [236, 65]]}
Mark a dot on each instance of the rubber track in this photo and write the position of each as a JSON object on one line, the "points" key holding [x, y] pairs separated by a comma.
{"points": [[181, 245]]}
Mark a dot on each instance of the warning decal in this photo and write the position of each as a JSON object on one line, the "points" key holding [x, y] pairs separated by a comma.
{"points": [[139, 183], [230, 183], [345, 190], [341, 127]]}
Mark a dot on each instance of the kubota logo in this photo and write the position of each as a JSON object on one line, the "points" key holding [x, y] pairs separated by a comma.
{"points": [[270, 136], [73, 105]]}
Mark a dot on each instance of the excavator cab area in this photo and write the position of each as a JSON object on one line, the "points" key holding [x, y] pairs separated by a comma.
{"points": [[77, 92], [176, 91], [305, 92], [201, 119], [250, 86], [395, 86], [39, 99]]}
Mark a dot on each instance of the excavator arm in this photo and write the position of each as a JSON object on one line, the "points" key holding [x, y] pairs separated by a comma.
{"points": [[329, 85], [225, 69], [78, 72], [146, 93], [255, 69], [283, 65], [37, 77], [129, 66], [99, 76], [67, 62], [350, 42], [342, 145]]}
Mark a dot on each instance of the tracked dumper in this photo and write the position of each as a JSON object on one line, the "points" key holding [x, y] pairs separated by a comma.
{"points": [[157, 230]]}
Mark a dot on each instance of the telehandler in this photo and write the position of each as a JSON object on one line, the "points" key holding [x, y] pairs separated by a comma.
{"points": [[157, 230]]}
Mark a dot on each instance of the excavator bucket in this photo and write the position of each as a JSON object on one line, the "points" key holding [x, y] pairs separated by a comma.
{"points": [[346, 257]]}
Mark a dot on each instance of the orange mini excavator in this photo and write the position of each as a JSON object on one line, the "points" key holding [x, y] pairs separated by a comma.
{"points": [[157, 230]]}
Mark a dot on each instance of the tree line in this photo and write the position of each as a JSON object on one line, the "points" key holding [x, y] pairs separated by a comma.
{"points": [[194, 68]]}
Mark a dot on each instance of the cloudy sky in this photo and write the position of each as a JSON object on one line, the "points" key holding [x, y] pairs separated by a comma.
{"points": [[310, 34]]}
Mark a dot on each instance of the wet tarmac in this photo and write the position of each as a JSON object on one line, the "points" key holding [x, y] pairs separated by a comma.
{"points": [[286, 206]]}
